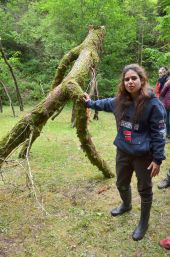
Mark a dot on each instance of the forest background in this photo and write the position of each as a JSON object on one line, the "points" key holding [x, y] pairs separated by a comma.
{"points": [[36, 34]]}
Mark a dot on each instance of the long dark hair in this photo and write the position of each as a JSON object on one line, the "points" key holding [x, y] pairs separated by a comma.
{"points": [[124, 98]]}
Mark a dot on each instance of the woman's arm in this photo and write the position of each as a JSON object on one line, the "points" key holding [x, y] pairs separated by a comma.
{"points": [[165, 88], [157, 132], [107, 104]]}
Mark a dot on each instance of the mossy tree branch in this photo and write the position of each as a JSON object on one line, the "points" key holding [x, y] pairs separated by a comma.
{"points": [[71, 87], [64, 64]]}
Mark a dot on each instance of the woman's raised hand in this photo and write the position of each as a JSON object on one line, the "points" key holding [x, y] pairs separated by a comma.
{"points": [[86, 97]]}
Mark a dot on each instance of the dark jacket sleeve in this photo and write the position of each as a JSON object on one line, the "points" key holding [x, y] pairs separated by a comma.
{"points": [[157, 131], [164, 91], [107, 105]]}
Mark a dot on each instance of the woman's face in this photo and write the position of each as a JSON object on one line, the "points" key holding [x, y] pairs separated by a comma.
{"points": [[132, 82], [161, 72]]}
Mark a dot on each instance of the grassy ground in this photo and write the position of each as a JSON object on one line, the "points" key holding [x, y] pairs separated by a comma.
{"points": [[77, 198]]}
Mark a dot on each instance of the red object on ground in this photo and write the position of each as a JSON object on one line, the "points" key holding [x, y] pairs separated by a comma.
{"points": [[165, 243]]}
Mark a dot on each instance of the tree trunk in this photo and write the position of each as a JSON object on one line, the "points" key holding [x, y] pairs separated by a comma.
{"points": [[96, 96], [94, 91], [1, 108], [96, 115], [13, 76], [73, 115], [9, 98], [69, 88]]}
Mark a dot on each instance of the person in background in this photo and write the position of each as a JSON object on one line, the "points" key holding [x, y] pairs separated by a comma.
{"points": [[165, 94], [161, 81], [140, 142]]}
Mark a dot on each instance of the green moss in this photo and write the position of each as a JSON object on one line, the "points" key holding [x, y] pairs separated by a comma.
{"points": [[68, 89], [63, 65], [86, 142]]}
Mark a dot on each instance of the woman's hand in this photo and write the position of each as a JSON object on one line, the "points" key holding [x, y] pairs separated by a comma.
{"points": [[155, 168], [86, 97]]}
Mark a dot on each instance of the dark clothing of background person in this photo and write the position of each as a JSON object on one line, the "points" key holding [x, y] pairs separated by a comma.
{"points": [[162, 81], [160, 85], [165, 94]]}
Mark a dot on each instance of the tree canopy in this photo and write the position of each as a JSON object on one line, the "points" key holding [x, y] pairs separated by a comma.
{"points": [[36, 34]]}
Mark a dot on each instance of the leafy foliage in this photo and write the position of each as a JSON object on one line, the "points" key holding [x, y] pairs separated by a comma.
{"points": [[42, 31]]}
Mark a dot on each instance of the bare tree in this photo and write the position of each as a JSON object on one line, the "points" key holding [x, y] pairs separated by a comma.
{"points": [[1, 107], [13, 76], [8, 95]]}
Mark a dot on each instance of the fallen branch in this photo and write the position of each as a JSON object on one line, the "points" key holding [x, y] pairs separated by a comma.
{"points": [[71, 88]]}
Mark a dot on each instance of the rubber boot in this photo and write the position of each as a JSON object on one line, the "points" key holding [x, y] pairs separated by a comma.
{"points": [[126, 205], [142, 227], [165, 182]]}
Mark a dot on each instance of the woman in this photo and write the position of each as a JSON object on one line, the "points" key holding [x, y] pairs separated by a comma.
{"points": [[163, 76], [140, 118]]}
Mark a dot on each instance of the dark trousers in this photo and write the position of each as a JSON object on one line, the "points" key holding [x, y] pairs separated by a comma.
{"points": [[168, 123], [125, 165]]}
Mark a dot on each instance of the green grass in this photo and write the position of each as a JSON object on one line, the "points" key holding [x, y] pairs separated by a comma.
{"points": [[79, 224]]}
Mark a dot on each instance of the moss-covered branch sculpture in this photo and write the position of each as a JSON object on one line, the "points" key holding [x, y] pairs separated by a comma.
{"points": [[64, 89]]}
